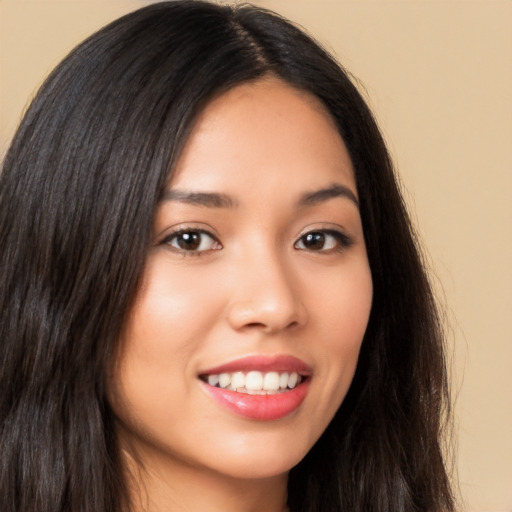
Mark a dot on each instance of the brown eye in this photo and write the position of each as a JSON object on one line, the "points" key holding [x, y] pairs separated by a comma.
{"points": [[322, 241], [192, 241], [314, 241]]}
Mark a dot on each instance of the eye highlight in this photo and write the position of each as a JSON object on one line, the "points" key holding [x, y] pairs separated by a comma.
{"points": [[192, 241], [323, 240]]}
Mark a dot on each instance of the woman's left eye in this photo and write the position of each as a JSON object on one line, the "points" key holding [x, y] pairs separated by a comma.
{"points": [[192, 241], [323, 241]]}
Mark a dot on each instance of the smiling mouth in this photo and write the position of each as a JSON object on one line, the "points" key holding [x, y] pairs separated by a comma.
{"points": [[255, 382], [259, 387]]}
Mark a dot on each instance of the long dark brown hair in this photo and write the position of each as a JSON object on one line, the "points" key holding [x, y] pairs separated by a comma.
{"points": [[78, 192]]}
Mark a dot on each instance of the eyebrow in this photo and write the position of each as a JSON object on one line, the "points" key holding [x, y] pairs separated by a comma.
{"points": [[207, 199], [324, 194], [219, 200]]}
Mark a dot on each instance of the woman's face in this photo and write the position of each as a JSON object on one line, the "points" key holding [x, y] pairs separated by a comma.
{"points": [[246, 330]]}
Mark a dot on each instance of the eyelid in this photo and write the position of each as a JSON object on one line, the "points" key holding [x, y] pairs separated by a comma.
{"points": [[184, 227], [344, 241], [180, 229]]}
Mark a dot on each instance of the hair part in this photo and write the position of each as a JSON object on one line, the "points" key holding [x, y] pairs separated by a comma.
{"points": [[78, 191]]}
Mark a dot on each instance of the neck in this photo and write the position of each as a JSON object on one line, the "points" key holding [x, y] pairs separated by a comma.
{"points": [[164, 488]]}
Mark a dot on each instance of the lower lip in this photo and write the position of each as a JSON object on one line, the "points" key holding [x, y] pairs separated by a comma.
{"points": [[260, 407]]}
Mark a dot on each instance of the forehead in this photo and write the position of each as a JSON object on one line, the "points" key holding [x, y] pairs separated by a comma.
{"points": [[264, 131]]}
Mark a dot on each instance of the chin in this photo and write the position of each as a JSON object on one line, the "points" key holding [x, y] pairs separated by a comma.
{"points": [[260, 459]]}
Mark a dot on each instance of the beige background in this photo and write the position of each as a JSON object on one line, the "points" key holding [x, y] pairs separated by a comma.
{"points": [[439, 77]]}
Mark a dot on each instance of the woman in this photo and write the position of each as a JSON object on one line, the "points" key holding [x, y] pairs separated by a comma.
{"points": [[211, 295]]}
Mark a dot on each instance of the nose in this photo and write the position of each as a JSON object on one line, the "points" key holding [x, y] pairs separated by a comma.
{"points": [[266, 296]]}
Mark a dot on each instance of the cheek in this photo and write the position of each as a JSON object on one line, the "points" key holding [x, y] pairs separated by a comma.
{"points": [[173, 310], [163, 330], [343, 314], [349, 316], [343, 306]]}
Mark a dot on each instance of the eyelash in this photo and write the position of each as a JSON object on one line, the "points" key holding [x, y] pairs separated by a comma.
{"points": [[191, 231], [342, 241]]}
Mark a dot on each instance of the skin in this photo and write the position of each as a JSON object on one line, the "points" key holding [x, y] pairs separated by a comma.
{"points": [[253, 287]]}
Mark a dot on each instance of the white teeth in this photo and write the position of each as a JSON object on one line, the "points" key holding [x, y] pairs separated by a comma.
{"points": [[238, 380], [224, 380], [271, 381], [213, 380], [254, 382], [292, 380]]}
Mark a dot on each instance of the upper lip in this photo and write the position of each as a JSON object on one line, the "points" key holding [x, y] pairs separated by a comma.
{"points": [[262, 363]]}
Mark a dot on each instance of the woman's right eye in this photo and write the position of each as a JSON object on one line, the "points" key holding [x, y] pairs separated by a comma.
{"points": [[192, 241]]}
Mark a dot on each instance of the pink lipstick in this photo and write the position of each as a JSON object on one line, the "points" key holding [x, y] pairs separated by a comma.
{"points": [[259, 387]]}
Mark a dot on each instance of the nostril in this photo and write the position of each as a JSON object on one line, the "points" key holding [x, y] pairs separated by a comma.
{"points": [[255, 324], [269, 312], [271, 327]]}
